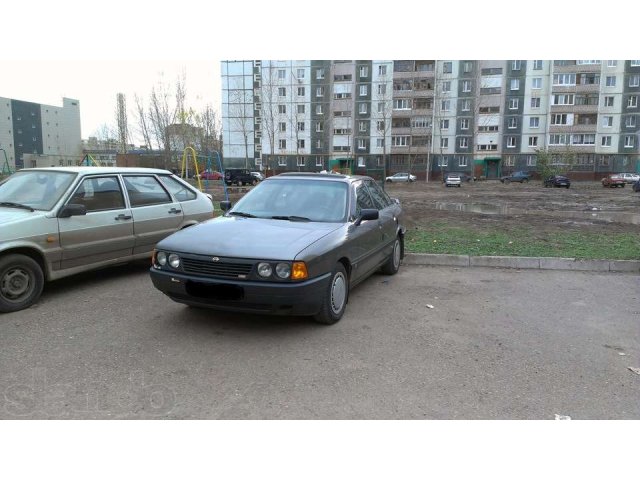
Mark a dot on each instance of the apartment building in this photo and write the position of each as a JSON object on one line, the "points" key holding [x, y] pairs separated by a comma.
{"points": [[485, 117], [33, 134]]}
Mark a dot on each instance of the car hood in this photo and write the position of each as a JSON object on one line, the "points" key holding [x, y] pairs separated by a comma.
{"points": [[17, 222], [248, 238]]}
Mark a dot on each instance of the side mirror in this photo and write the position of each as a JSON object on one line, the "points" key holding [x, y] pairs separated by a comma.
{"points": [[367, 214], [72, 209], [225, 205]]}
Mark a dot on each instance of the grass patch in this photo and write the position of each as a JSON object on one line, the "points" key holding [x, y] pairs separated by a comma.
{"points": [[441, 238]]}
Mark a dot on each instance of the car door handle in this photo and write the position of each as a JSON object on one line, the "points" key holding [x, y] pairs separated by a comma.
{"points": [[122, 216], [175, 210]]}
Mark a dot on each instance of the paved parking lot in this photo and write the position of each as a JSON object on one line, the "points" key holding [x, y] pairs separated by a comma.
{"points": [[497, 344]]}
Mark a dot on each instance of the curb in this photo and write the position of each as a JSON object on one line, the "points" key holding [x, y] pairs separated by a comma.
{"points": [[539, 263]]}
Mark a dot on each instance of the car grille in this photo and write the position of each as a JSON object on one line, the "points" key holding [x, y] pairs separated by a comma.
{"points": [[216, 269]]}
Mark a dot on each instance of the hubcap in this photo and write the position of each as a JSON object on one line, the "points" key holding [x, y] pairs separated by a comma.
{"points": [[338, 292], [396, 254], [15, 283]]}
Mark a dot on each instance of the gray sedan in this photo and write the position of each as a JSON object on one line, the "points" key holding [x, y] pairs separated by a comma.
{"points": [[295, 244], [401, 177], [56, 222]]}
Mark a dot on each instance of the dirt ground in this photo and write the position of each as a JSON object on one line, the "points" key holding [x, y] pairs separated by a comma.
{"points": [[491, 205]]}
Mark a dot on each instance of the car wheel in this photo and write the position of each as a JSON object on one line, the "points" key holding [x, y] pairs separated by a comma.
{"points": [[254, 183], [392, 265], [388, 181], [507, 180], [525, 180], [21, 282], [335, 298]]}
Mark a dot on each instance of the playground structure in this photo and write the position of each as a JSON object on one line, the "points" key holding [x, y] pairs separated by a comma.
{"points": [[6, 168], [89, 161], [201, 163]]}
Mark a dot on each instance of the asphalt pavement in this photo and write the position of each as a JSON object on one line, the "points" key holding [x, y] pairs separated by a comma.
{"points": [[431, 342]]}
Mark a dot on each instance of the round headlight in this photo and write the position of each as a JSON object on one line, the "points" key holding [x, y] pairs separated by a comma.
{"points": [[174, 260], [264, 269], [283, 270], [161, 258]]}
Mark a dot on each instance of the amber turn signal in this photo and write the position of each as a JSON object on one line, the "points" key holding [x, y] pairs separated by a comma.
{"points": [[298, 271]]}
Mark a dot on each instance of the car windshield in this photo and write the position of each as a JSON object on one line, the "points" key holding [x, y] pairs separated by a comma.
{"points": [[38, 189], [295, 200]]}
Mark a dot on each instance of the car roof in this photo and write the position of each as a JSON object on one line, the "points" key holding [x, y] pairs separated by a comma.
{"points": [[98, 170], [319, 176]]}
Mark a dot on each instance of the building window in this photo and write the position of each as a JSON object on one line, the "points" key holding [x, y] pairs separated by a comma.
{"points": [[533, 141], [608, 101], [281, 74], [610, 81], [319, 144], [282, 126], [635, 63], [319, 91], [301, 91], [534, 122], [301, 126], [607, 121], [559, 119], [632, 101], [464, 124], [511, 142], [362, 144], [535, 102], [513, 103], [606, 141], [464, 142], [400, 141], [583, 139], [443, 161], [282, 144], [401, 104], [363, 90], [563, 99], [364, 71], [447, 67], [319, 110], [465, 105], [380, 107], [300, 72], [564, 79], [362, 126], [380, 142], [445, 105], [282, 109], [536, 83], [512, 122], [319, 162], [300, 161], [319, 126], [301, 143], [467, 67], [444, 143], [282, 92], [361, 162], [382, 88], [515, 84], [612, 63], [320, 74], [629, 122], [362, 108], [537, 64], [462, 161], [509, 160], [446, 86], [634, 80], [382, 69], [559, 139], [444, 124], [515, 65], [531, 160], [301, 108], [466, 85], [380, 125], [629, 141]]}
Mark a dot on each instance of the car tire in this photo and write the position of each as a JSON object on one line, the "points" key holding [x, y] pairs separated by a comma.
{"points": [[388, 181], [21, 282], [507, 180], [525, 180], [392, 265], [335, 298]]}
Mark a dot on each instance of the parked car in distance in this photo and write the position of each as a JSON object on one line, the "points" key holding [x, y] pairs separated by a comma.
{"points": [[296, 244], [557, 181], [401, 177], [636, 186], [239, 176], [59, 221], [210, 175], [258, 175], [519, 176], [463, 176], [630, 177], [453, 179], [613, 180]]}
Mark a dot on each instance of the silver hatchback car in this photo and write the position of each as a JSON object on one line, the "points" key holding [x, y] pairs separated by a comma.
{"points": [[59, 221]]}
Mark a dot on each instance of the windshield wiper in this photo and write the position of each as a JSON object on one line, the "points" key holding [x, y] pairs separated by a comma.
{"points": [[242, 214], [292, 218], [16, 205]]}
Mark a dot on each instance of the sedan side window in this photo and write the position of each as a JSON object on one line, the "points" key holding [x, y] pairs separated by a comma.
{"points": [[102, 193], [179, 191], [145, 190], [363, 199], [379, 196]]}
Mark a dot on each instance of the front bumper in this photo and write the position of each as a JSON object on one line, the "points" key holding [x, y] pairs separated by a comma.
{"points": [[272, 298]]}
